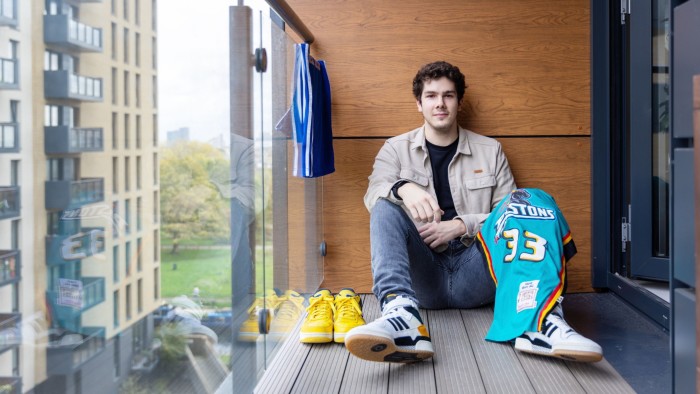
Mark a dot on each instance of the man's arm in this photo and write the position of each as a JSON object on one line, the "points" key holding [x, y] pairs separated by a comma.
{"points": [[385, 174]]}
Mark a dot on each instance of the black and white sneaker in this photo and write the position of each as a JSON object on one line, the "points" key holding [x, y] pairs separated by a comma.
{"points": [[558, 339], [398, 336]]}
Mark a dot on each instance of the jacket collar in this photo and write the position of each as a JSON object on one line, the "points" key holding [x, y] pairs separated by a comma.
{"points": [[462, 146]]}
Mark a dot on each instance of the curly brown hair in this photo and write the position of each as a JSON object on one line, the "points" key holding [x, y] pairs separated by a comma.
{"points": [[437, 70]]}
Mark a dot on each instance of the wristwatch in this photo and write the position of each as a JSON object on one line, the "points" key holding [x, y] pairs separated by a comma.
{"points": [[395, 189]]}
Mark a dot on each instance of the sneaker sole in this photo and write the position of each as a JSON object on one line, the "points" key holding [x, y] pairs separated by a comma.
{"points": [[376, 348], [571, 354], [315, 337]]}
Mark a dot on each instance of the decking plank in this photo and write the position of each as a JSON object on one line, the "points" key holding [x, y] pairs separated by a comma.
{"points": [[362, 376], [456, 370], [599, 377], [494, 359], [549, 375], [415, 377]]}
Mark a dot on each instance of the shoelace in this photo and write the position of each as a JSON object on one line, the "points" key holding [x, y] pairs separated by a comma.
{"points": [[347, 306], [559, 322], [321, 307], [290, 308]]}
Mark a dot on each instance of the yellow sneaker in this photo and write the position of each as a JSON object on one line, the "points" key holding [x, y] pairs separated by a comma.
{"points": [[289, 308], [348, 314], [318, 325], [250, 329]]}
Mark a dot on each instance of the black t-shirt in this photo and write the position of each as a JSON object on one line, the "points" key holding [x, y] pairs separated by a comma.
{"points": [[440, 158]]}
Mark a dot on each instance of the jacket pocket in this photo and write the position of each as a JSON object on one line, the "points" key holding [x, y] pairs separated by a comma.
{"points": [[414, 176], [481, 182]]}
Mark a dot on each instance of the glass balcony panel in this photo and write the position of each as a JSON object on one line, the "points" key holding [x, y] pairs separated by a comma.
{"points": [[62, 84], [67, 33], [10, 267], [74, 194], [9, 202], [9, 137], [64, 139], [69, 350]]}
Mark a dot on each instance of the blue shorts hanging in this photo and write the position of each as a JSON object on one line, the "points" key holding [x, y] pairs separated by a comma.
{"points": [[311, 109]]}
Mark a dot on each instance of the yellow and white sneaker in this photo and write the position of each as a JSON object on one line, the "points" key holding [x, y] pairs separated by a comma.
{"points": [[348, 314], [289, 308], [318, 325], [250, 329]]}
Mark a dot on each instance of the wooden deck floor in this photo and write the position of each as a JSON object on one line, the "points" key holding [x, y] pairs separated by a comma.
{"points": [[463, 363]]}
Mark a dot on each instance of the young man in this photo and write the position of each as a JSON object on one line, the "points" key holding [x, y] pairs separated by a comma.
{"points": [[430, 191]]}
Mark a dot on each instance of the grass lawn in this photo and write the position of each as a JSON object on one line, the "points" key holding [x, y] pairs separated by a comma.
{"points": [[208, 269]]}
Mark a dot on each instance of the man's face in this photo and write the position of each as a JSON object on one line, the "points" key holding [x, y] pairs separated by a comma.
{"points": [[439, 104]]}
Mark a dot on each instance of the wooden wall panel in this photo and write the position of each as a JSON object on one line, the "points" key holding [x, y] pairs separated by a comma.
{"points": [[526, 62], [535, 162]]}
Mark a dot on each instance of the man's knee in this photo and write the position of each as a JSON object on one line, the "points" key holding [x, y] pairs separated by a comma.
{"points": [[384, 211]]}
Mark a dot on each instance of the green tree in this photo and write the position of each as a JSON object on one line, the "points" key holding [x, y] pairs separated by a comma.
{"points": [[191, 203]]}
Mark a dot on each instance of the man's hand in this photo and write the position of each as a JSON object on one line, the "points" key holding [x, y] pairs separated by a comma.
{"points": [[436, 234], [420, 203]]}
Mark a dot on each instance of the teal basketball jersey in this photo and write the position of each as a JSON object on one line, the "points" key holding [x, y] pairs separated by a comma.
{"points": [[526, 242]]}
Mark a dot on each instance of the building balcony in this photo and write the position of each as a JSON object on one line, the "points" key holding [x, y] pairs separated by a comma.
{"points": [[78, 2], [9, 137], [68, 352], [10, 267], [63, 84], [64, 195], [73, 297], [66, 33], [10, 332], [10, 384], [60, 140], [9, 202], [63, 249], [8, 13], [9, 73]]}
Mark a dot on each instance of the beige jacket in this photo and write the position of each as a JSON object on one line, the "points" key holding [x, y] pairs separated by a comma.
{"points": [[479, 175]]}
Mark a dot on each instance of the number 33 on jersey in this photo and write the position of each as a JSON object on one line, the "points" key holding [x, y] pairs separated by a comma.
{"points": [[526, 242]]}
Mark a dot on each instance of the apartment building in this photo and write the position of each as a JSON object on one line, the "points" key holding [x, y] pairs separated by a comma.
{"points": [[79, 232]]}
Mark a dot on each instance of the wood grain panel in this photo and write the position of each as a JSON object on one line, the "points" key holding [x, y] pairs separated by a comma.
{"points": [[526, 62], [560, 166]]}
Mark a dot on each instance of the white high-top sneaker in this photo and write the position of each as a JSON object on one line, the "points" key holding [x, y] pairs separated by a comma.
{"points": [[398, 336], [558, 339]]}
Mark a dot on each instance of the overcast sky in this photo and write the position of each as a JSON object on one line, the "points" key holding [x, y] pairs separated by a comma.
{"points": [[193, 70]]}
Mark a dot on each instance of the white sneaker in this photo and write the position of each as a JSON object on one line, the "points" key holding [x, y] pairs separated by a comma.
{"points": [[558, 339], [398, 336]]}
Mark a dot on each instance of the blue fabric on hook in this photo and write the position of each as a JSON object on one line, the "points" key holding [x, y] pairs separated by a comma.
{"points": [[311, 110]]}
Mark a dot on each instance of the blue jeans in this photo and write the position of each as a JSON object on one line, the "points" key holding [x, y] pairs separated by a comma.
{"points": [[403, 264]]}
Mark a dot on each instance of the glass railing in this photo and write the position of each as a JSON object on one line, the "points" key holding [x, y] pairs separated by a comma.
{"points": [[85, 34], [68, 350], [9, 202], [10, 385], [8, 72], [85, 86], [10, 331], [86, 139], [9, 137], [87, 191], [64, 139], [10, 266]]}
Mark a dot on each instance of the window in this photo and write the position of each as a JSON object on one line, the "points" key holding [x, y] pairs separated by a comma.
{"points": [[114, 86], [156, 247], [137, 49], [139, 259], [154, 17], [127, 258], [54, 169], [138, 131], [127, 170], [127, 218], [138, 172], [117, 348], [137, 89], [156, 202], [113, 45], [156, 282], [14, 173], [128, 302], [139, 295], [115, 175], [155, 130], [155, 169], [52, 61], [154, 53], [114, 130], [126, 88], [155, 92], [126, 131], [116, 220], [126, 45], [16, 235], [115, 263], [115, 315], [126, 10], [137, 12], [138, 215]]}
